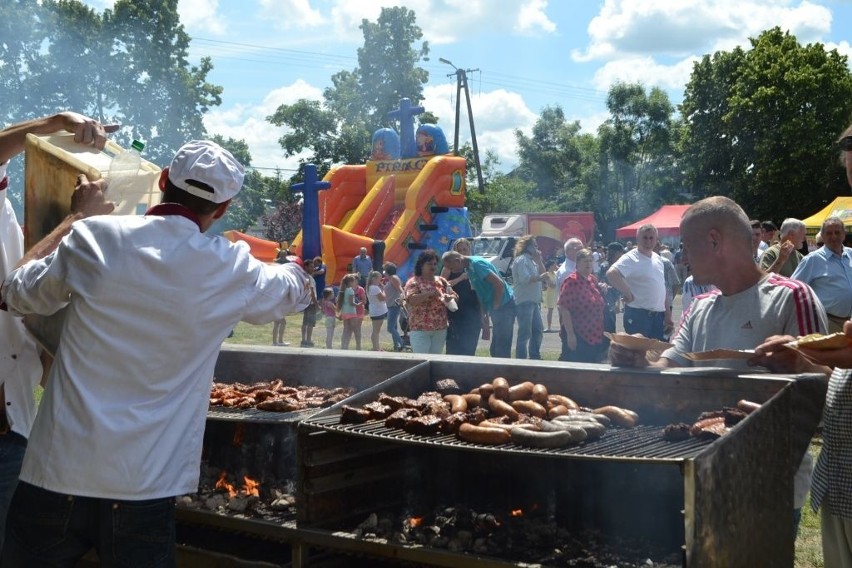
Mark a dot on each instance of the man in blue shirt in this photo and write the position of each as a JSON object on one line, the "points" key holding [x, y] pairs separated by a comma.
{"points": [[363, 265], [828, 270], [495, 297]]}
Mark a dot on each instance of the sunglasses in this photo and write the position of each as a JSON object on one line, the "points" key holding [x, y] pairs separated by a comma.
{"points": [[845, 143]]}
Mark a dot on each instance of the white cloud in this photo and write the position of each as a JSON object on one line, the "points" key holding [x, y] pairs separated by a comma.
{"points": [[202, 15], [496, 115], [248, 122], [681, 27], [448, 21], [644, 70], [843, 48], [532, 17], [291, 14]]}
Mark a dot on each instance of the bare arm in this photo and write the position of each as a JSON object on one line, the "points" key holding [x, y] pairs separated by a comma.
{"points": [[87, 200], [86, 131], [499, 286], [615, 278]]}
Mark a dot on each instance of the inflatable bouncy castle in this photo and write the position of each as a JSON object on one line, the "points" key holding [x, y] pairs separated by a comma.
{"points": [[409, 196]]}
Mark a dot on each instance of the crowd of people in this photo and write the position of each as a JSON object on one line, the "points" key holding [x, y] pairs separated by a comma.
{"points": [[740, 287]]}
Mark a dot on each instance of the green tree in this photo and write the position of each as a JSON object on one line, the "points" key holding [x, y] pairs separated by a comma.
{"points": [[127, 65], [636, 153], [777, 117], [339, 129], [705, 142], [549, 158]]}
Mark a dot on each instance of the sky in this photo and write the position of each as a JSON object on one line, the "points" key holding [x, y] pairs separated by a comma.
{"points": [[520, 55]]}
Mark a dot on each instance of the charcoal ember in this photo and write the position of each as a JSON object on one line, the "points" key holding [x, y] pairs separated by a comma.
{"points": [[422, 425], [452, 423], [733, 416], [447, 386], [377, 410], [352, 415], [676, 432], [395, 402], [400, 417]]}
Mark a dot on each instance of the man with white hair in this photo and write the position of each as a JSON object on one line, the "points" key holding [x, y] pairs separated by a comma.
{"points": [[828, 270], [783, 257], [640, 277], [149, 301], [571, 247]]}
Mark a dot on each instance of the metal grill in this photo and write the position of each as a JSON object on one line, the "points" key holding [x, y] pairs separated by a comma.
{"points": [[639, 444], [255, 415]]}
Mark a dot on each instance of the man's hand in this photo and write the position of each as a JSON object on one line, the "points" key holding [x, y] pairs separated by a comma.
{"points": [[88, 198], [621, 356], [785, 250], [775, 356], [87, 130]]}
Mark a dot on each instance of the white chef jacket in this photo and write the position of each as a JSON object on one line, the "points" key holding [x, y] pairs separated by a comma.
{"points": [[20, 368], [150, 300]]}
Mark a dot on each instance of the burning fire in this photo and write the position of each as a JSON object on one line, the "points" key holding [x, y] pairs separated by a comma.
{"points": [[251, 486], [517, 512], [415, 522], [239, 432], [222, 483]]}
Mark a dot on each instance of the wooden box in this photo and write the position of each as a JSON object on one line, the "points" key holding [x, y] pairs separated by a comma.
{"points": [[52, 165]]}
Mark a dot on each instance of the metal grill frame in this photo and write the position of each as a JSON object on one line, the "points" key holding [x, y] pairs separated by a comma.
{"points": [[735, 489]]}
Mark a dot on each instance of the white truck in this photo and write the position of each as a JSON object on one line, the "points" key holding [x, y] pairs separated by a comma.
{"points": [[500, 232]]}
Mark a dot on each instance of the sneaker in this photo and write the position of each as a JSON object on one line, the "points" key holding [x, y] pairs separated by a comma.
{"points": [[284, 344], [310, 343]]}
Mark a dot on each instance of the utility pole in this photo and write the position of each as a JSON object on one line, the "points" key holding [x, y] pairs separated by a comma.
{"points": [[461, 83]]}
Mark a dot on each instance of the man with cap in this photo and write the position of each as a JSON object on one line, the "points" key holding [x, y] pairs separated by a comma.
{"points": [[149, 301]]}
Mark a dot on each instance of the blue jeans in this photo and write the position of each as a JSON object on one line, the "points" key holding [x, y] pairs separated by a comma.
{"points": [[648, 323], [50, 529], [530, 330], [428, 341], [502, 329], [393, 326], [12, 449]]}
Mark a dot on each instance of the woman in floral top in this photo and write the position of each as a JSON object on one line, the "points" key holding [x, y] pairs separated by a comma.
{"points": [[581, 306], [425, 294]]}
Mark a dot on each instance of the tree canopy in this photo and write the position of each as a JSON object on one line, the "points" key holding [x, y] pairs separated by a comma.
{"points": [[759, 125], [338, 129]]}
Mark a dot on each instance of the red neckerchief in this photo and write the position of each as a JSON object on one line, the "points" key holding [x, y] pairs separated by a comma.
{"points": [[165, 209]]}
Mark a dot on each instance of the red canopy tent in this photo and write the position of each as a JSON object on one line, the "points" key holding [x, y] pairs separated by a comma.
{"points": [[666, 219]]}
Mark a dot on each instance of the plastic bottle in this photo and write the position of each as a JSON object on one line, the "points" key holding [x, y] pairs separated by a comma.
{"points": [[124, 171]]}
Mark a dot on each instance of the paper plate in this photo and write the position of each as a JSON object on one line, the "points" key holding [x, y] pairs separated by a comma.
{"points": [[637, 343], [821, 342], [720, 354]]}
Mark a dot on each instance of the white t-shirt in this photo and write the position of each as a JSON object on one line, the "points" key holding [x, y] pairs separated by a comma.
{"points": [[20, 368], [646, 277], [564, 271], [150, 300], [377, 307]]}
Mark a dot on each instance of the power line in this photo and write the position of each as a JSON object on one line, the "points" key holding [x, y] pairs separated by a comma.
{"points": [[267, 55]]}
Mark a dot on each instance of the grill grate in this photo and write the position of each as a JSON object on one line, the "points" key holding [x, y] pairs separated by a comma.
{"points": [[255, 415], [641, 444]]}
